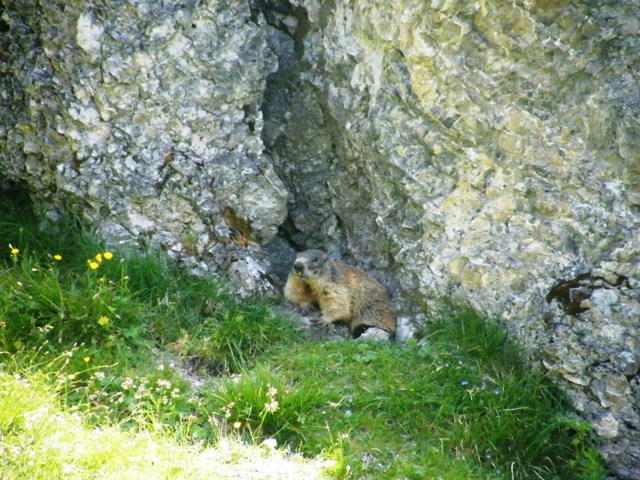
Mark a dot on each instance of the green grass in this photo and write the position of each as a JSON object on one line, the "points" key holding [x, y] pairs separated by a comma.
{"points": [[41, 440], [93, 380], [436, 411]]}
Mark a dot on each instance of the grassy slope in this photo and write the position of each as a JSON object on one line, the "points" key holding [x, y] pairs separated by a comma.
{"points": [[461, 405], [42, 441]]}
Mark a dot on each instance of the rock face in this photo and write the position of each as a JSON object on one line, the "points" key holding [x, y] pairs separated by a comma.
{"points": [[485, 150], [144, 116]]}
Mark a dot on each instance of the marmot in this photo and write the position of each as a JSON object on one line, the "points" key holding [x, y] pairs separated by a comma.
{"points": [[342, 292]]}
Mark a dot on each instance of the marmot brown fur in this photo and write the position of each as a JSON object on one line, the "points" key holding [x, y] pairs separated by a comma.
{"points": [[342, 292]]}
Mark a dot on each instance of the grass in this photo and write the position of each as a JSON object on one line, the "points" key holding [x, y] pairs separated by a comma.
{"points": [[94, 353], [40, 440]]}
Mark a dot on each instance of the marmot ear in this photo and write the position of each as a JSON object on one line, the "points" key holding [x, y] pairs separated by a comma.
{"points": [[324, 257]]}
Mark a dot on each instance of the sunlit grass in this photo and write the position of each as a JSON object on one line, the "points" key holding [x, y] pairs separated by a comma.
{"points": [[42, 441]]}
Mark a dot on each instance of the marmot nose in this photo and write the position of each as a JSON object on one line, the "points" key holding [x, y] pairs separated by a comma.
{"points": [[298, 267]]}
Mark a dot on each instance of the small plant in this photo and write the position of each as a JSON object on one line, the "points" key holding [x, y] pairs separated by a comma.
{"points": [[261, 404], [49, 306], [232, 339]]}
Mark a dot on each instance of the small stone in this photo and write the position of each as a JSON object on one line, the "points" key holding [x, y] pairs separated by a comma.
{"points": [[606, 426], [628, 363], [611, 390], [576, 379], [405, 328], [375, 335]]}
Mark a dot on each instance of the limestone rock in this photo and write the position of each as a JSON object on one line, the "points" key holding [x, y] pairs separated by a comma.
{"points": [[374, 335], [145, 118], [487, 151]]}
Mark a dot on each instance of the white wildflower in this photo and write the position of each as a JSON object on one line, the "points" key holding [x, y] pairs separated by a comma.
{"points": [[271, 443]]}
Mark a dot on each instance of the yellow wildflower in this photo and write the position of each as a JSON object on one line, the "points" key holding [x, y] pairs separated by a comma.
{"points": [[86, 359], [14, 250], [99, 257], [57, 257], [93, 265], [102, 321], [107, 255], [237, 425]]}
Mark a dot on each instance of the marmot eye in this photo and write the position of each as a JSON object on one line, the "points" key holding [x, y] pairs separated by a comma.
{"points": [[315, 259]]}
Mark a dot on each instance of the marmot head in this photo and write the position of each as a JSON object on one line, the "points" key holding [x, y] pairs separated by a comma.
{"points": [[309, 264]]}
